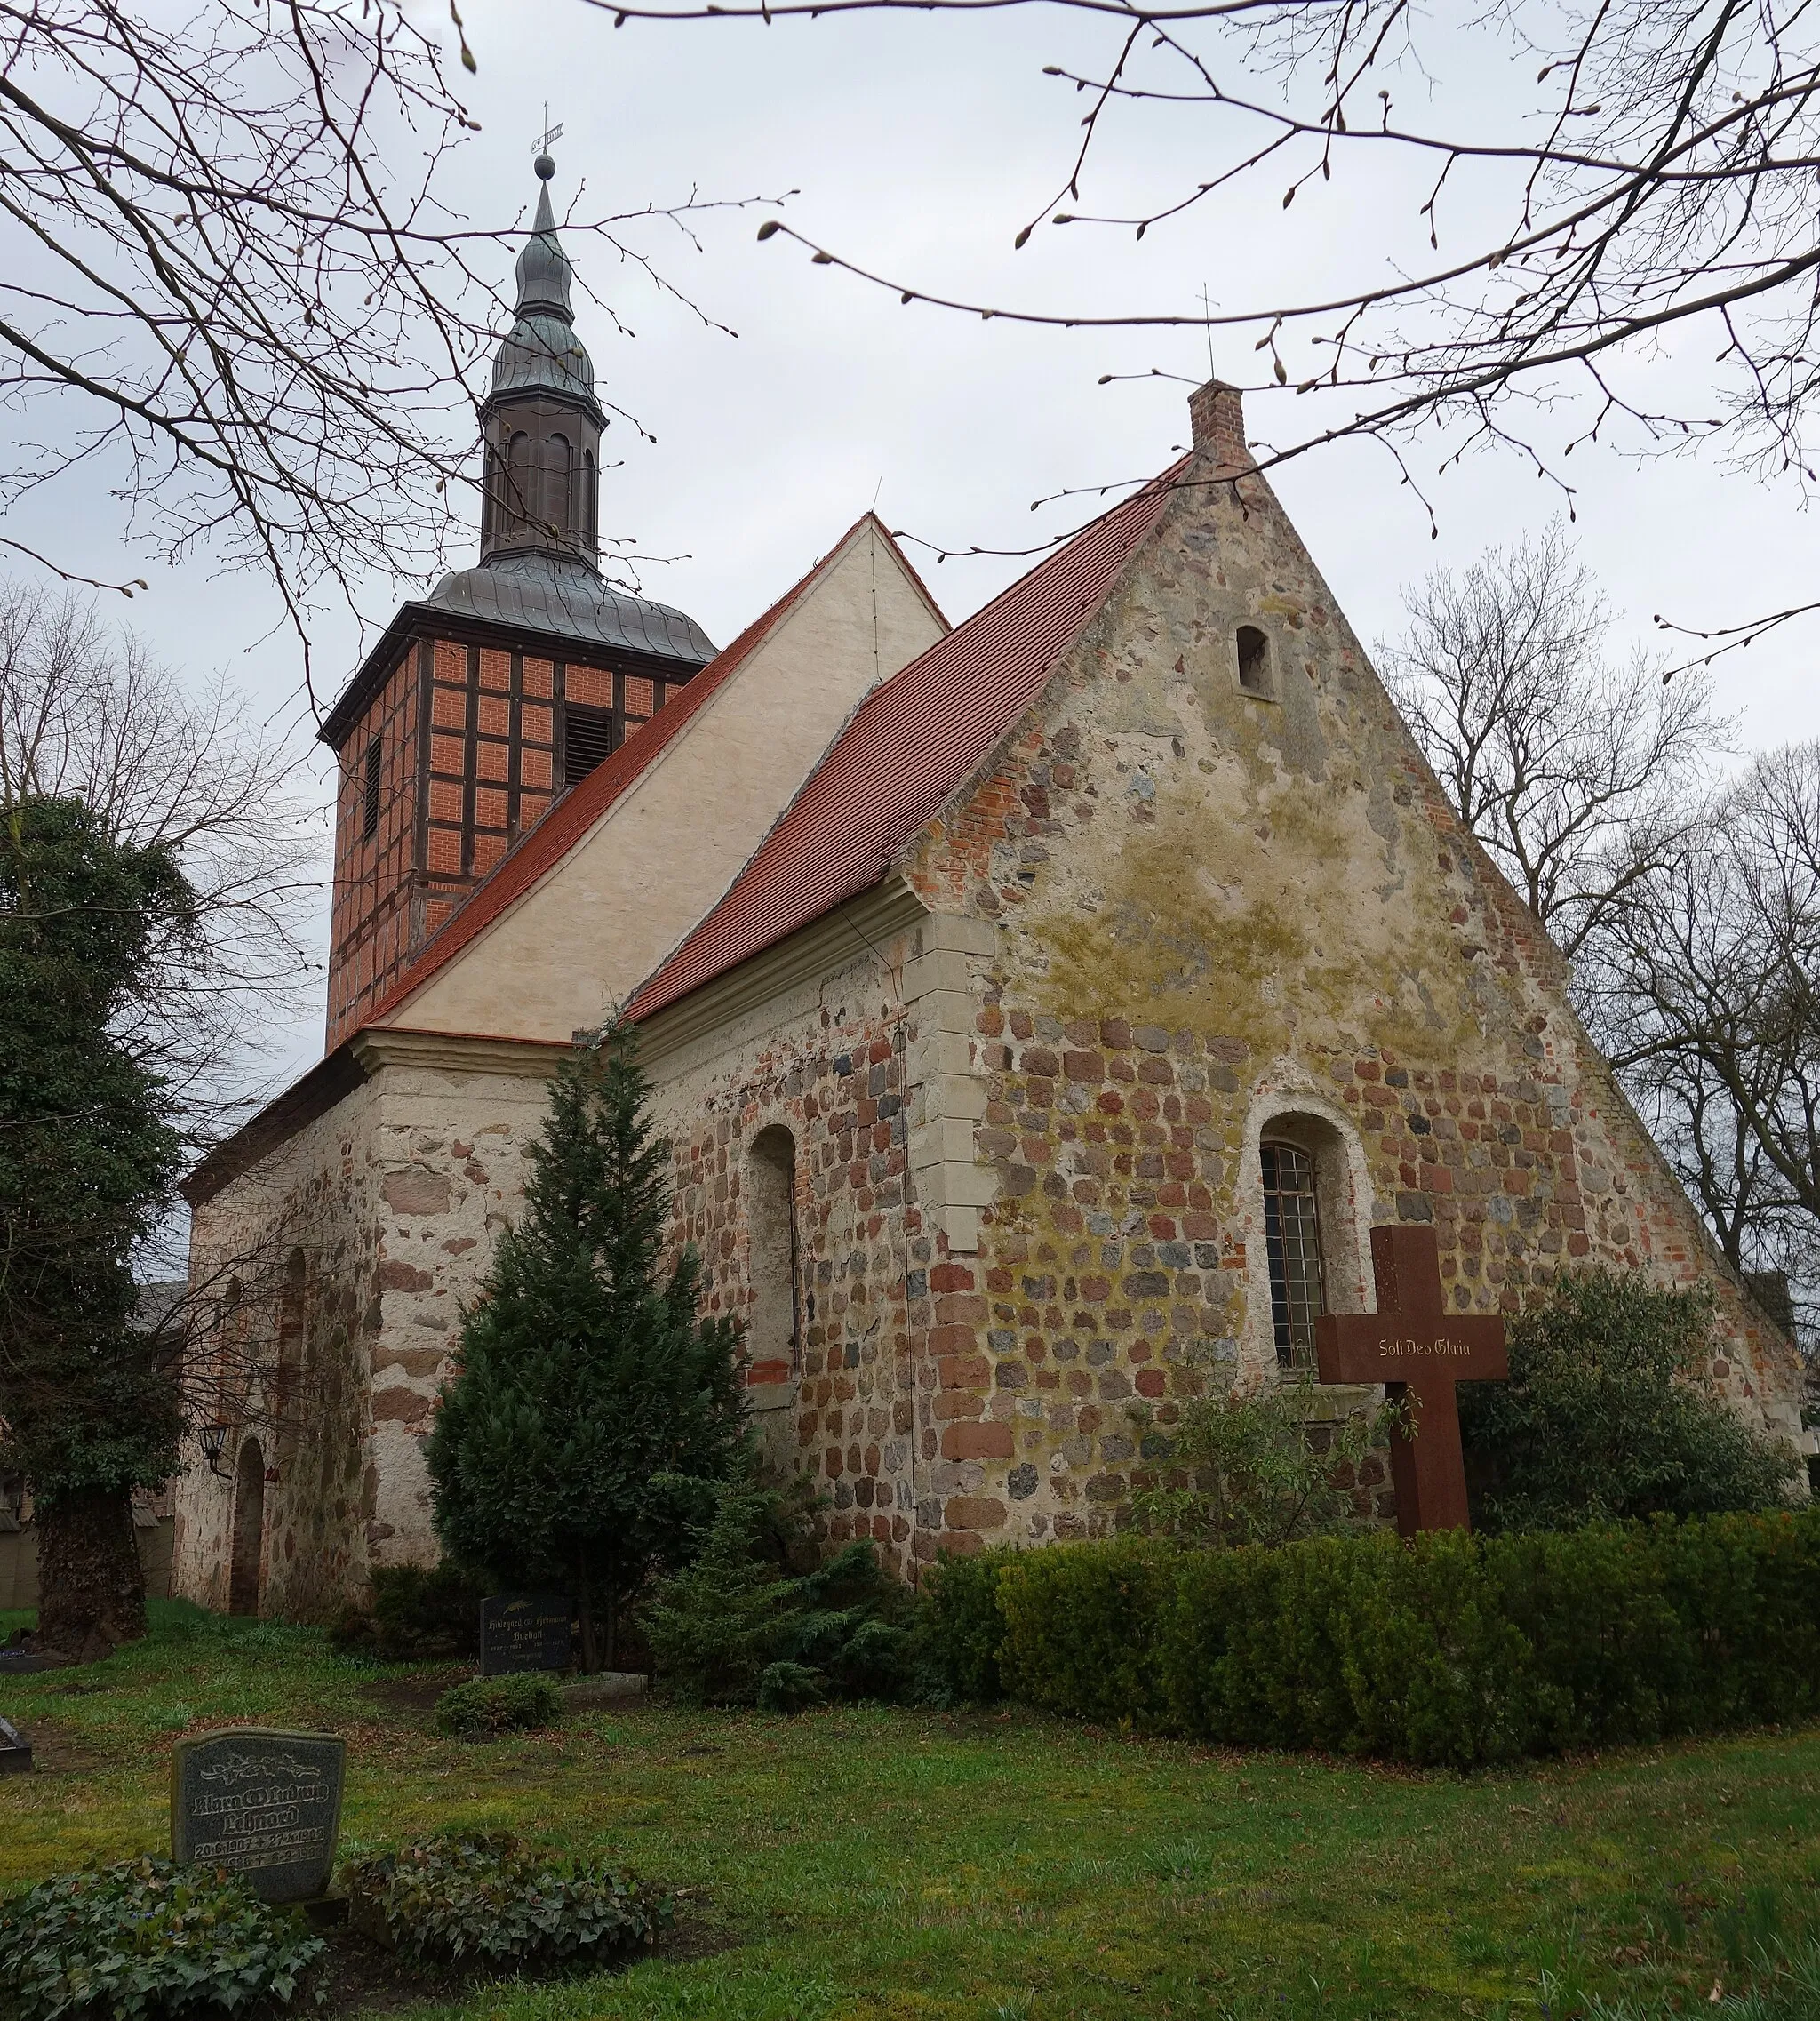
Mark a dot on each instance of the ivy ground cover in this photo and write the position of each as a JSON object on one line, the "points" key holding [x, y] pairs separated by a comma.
{"points": [[887, 1865]]}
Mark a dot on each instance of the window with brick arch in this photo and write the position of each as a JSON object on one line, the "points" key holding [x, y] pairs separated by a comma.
{"points": [[1292, 1246]]}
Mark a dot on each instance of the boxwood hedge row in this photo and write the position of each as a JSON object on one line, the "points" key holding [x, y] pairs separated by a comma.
{"points": [[1449, 1649]]}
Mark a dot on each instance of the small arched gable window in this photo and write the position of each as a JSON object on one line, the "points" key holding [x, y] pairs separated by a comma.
{"points": [[1252, 649]]}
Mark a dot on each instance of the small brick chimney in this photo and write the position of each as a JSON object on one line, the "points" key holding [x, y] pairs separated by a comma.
{"points": [[1217, 412]]}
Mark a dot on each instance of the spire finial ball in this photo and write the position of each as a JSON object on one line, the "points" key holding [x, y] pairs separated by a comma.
{"points": [[545, 167]]}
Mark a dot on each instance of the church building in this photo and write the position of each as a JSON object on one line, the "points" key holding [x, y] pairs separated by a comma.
{"points": [[1041, 1011]]}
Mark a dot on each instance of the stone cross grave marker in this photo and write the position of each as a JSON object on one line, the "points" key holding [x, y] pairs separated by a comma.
{"points": [[1418, 1350], [261, 1802], [523, 1631]]}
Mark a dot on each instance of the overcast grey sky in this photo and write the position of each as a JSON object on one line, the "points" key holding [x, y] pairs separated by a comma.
{"points": [[918, 145]]}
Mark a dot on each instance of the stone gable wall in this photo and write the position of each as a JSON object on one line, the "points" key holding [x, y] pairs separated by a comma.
{"points": [[1211, 910], [448, 1152]]}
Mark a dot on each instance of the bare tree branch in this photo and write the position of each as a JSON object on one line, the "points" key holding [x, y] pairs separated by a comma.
{"points": [[85, 713], [1580, 778], [1653, 182], [229, 292]]}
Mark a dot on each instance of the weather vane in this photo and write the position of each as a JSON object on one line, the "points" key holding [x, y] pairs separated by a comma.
{"points": [[550, 135]]}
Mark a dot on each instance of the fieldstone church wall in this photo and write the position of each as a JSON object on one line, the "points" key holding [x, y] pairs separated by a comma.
{"points": [[394, 1199]]}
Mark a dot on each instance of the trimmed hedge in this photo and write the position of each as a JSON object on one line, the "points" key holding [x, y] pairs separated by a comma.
{"points": [[1450, 1649]]}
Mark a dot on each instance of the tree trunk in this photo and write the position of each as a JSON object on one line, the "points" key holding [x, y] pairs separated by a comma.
{"points": [[613, 1623], [92, 1589]]}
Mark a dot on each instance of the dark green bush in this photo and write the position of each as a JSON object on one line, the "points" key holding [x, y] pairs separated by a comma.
{"points": [[145, 1940], [488, 1898], [417, 1616], [1451, 1648], [734, 1627], [1260, 1468], [1608, 1414], [484, 1706]]}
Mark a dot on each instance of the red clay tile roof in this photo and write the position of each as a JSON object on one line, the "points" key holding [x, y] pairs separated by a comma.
{"points": [[906, 749], [541, 848]]}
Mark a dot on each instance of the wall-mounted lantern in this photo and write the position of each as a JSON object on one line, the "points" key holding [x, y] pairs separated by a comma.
{"points": [[214, 1437]]}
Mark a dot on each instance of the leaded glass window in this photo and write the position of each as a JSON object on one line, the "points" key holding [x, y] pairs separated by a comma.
{"points": [[1292, 1244]]}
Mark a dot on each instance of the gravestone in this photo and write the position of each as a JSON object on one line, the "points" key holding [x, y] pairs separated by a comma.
{"points": [[261, 1802], [15, 1750], [523, 1631], [22, 1663], [1418, 1351]]}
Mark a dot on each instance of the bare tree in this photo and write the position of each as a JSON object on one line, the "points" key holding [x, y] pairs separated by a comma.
{"points": [[229, 290], [1705, 989], [1580, 776], [1635, 192], [86, 712]]}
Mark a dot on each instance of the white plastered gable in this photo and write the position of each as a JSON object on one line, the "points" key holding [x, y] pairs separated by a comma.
{"points": [[660, 857]]}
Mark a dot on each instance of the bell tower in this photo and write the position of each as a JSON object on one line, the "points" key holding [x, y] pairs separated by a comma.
{"points": [[510, 684], [542, 423]]}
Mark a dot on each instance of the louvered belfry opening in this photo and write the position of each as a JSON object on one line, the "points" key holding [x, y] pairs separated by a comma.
{"points": [[372, 772], [587, 741]]}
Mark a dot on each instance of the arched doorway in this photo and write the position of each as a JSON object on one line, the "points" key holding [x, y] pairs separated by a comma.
{"points": [[249, 1530]]}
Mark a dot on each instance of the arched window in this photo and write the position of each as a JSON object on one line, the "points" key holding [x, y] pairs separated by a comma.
{"points": [[231, 1353], [773, 1338], [518, 500], [490, 495], [287, 1387], [1315, 1215], [1252, 650], [558, 506], [1292, 1247], [249, 1531], [591, 508]]}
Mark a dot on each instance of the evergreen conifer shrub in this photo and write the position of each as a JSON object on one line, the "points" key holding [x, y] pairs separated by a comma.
{"points": [[480, 1707], [593, 1410], [735, 1627]]}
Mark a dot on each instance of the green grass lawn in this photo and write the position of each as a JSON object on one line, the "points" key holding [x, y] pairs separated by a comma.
{"points": [[872, 1862]]}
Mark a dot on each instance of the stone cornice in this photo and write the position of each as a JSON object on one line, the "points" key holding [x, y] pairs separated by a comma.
{"points": [[823, 948], [456, 1052]]}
